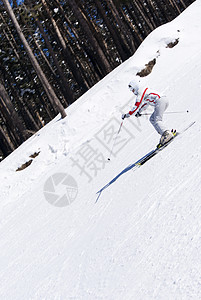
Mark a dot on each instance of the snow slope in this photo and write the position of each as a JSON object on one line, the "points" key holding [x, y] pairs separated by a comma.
{"points": [[140, 238]]}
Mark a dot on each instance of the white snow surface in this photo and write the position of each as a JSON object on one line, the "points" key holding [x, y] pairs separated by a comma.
{"points": [[140, 238]]}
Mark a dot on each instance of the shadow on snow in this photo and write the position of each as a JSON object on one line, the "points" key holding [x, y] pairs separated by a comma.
{"points": [[136, 164], [115, 178]]}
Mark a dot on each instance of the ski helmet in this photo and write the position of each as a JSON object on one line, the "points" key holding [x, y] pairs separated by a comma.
{"points": [[134, 86]]}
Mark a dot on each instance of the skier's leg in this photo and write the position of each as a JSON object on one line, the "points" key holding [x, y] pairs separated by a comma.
{"points": [[156, 118]]}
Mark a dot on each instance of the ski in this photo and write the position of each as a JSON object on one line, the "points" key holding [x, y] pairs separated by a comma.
{"points": [[155, 151]]}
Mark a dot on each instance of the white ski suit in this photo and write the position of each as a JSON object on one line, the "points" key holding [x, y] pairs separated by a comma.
{"points": [[160, 104]]}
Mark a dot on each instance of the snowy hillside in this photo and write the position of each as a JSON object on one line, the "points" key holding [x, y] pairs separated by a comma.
{"points": [[140, 238]]}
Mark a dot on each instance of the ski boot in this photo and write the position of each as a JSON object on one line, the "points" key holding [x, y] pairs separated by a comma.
{"points": [[166, 137]]}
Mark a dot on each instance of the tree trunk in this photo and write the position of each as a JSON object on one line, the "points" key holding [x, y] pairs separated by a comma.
{"points": [[69, 57], [126, 36], [11, 116], [93, 42], [6, 145], [65, 86], [113, 31]]}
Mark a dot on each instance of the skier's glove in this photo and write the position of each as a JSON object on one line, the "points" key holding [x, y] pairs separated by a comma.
{"points": [[125, 116], [137, 115]]}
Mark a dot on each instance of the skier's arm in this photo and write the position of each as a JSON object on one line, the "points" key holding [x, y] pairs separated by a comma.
{"points": [[142, 108], [138, 105], [132, 111], [135, 110]]}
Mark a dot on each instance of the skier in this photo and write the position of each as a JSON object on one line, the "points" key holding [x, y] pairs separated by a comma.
{"points": [[160, 104]]}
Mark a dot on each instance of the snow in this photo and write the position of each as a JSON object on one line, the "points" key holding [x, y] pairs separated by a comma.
{"points": [[140, 238]]}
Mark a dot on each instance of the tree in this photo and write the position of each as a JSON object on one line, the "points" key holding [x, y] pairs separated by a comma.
{"points": [[71, 60], [49, 91], [14, 122], [104, 63]]}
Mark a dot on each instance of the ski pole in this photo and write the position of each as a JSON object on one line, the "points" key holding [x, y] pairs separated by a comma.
{"points": [[115, 140], [168, 112]]}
